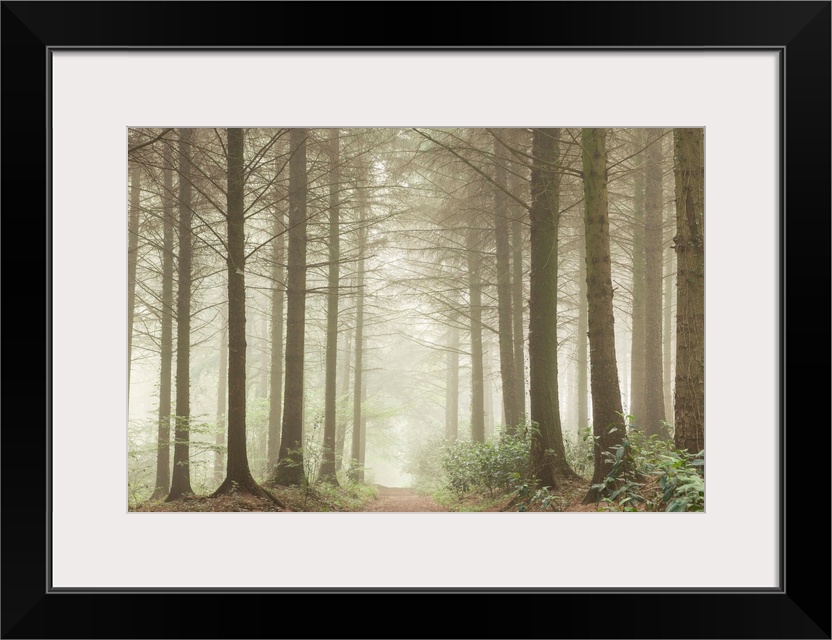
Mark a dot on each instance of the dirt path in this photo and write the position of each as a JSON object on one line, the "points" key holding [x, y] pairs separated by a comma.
{"points": [[398, 500]]}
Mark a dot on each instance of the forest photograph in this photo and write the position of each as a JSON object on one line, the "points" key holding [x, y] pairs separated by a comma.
{"points": [[415, 320]]}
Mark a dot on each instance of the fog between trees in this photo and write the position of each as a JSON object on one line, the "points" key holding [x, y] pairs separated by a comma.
{"points": [[340, 306]]}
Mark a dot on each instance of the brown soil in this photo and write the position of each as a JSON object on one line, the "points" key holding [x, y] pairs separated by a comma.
{"points": [[399, 500]]}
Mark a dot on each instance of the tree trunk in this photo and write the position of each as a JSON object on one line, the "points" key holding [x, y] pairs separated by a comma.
{"points": [[452, 385], [548, 457], [690, 300], [504, 313], [517, 302], [668, 324], [581, 352], [608, 424], [238, 476], [356, 472], [571, 397], [653, 398], [362, 448], [344, 395], [487, 388], [181, 481], [132, 260], [637, 363], [475, 313], [290, 460], [162, 486], [263, 387], [327, 472], [222, 402], [276, 363], [669, 231]]}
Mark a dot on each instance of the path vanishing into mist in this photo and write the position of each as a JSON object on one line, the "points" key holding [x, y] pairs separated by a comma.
{"points": [[400, 500]]}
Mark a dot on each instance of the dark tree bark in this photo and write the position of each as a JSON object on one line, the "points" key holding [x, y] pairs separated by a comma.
{"points": [[181, 481], [690, 301], [327, 472], [276, 363], [290, 469], [608, 424], [475, 313], [653, 419], [548, 457], [238, 475], [518, 214], [637, 350], [132, 260], [504, 312], [452, 384], [356, 470], [162, 485], [222, 402], [581, 353]]}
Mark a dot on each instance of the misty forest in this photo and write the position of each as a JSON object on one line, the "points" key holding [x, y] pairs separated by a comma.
{"points": [[415, 319]]}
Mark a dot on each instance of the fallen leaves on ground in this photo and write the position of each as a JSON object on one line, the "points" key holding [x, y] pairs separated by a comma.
{"points": [[236, 502]]}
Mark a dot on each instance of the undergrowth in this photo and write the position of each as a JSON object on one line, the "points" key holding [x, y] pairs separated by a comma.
{"points": [[349, 496], [648, 474], [645, 474]]}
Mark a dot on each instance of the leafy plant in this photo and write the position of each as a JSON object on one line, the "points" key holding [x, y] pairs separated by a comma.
{"points": [[542, 498], [657, 476], [498, 464]]}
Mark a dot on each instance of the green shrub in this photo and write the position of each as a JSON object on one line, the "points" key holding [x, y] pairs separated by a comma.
{"points": [[498, 464], [655, 474]]}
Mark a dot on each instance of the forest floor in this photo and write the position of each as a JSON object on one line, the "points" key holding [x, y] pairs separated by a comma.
{"points": [[568, 498], [398, 500], [383, 500], [376, 499], [206, 504]]}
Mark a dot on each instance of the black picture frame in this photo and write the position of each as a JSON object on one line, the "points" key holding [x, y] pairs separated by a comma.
{"points": [[799, 608]]}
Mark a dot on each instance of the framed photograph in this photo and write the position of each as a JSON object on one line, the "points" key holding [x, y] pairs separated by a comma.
{"points": [[78, 76]]}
